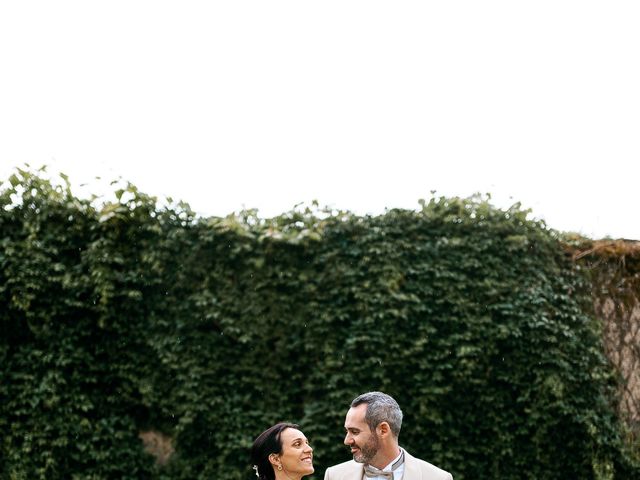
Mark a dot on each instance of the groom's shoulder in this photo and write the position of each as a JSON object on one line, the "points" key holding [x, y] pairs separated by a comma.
{"points": [[433, 472]]}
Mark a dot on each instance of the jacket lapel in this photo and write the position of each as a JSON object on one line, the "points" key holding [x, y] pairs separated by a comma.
{"points": [[411, 468]]}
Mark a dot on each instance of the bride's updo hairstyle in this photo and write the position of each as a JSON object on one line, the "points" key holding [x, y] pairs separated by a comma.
{"points": [[268, 442]]}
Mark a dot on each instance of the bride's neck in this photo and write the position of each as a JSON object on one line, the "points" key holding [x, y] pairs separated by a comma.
{"points": [[282, 475]]}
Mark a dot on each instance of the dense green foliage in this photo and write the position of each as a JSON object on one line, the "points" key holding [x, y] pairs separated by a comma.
{"points": [[127, 316]]}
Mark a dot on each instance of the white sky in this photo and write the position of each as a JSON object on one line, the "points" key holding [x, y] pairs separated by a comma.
{"points": [[360, 105]]}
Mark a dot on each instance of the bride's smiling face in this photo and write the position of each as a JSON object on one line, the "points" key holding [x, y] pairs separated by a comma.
{"points": [[297, 454]]}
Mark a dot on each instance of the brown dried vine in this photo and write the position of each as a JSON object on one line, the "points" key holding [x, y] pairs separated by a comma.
{"points": [[614, 267]]}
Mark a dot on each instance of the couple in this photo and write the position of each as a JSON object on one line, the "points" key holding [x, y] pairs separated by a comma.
{"points": [[372, 427]]}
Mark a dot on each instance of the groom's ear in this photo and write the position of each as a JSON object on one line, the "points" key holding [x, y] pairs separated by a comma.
{"points": [[383, 428]]}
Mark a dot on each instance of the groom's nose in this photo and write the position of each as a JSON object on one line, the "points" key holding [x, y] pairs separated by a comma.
{"points": [[347, 439]]}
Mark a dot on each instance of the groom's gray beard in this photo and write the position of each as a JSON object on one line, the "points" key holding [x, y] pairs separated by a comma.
{"points": [[368, 450]]}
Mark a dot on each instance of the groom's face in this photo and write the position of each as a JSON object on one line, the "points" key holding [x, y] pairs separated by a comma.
{"points": [[359, 437]]}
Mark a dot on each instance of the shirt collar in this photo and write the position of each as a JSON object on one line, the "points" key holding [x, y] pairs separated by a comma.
{"points": [[394, 463]]}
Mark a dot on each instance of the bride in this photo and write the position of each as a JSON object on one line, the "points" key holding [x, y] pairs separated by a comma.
{"points": [[282, 452]]}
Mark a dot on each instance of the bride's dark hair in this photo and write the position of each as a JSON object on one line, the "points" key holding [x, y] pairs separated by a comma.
{"points": [[268, 442]]}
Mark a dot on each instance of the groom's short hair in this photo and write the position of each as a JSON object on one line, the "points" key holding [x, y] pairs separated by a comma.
{"points": [[380, 408]]}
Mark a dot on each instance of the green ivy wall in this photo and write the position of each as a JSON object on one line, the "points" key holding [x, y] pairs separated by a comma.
{"points": [[128, 317]]}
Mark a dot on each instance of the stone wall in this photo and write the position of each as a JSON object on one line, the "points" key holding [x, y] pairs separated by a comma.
{"points": [[622, 346], [614, 268]]}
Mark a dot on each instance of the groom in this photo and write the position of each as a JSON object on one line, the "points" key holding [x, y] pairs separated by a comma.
{"points": [[372, 427]]}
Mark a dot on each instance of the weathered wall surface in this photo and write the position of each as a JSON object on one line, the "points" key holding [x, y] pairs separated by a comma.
{"points": [[622, 346], [614, 267]]}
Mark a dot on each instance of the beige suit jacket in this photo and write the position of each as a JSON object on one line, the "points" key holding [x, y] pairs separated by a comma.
{"points": [[414, 469]]}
